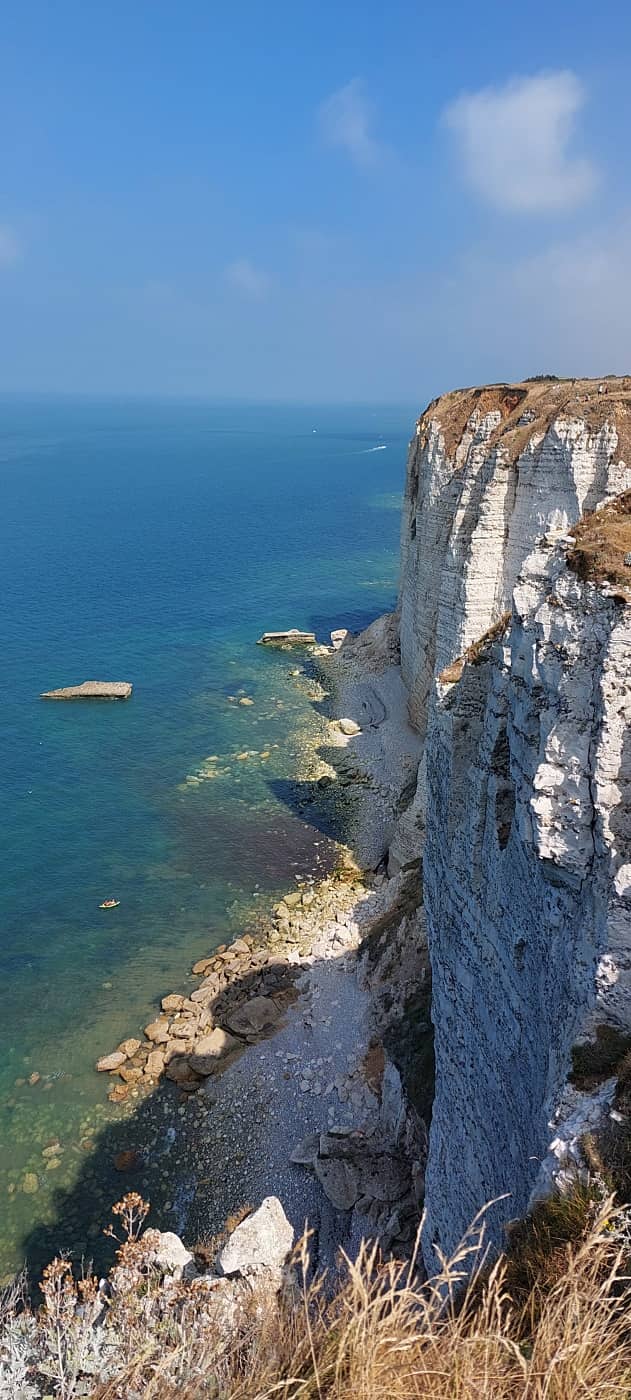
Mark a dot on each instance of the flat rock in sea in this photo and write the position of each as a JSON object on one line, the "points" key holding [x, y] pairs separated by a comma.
{"points": [[291, 638], [91, 690]]}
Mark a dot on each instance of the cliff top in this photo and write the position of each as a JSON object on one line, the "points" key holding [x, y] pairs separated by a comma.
{"points": [[531, 406]]}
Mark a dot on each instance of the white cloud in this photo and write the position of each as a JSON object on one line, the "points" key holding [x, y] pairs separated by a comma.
{"points": [[345, 120], [513, 142], [248, 279], [10, 250]]}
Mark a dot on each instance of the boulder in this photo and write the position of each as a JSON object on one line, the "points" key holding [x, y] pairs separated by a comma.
{"points": [[167, 1252], [129, 1048], [130, 1073], [178, 1070], [339, 1181], [207, 992], [174, 1002], [158, 1031], [349, 726], [111, 1062], [339, 636], [306, 1151], [155, 1064], [183, 1030], [255, 1016], [210, 1049], [200, 967], [176, 1048], [384, 1177], [263, 1241]]}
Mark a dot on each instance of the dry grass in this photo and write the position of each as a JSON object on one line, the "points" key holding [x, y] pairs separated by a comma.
{"points": [[603, 538], [475, 651], [548, 1322], [546, 399], [387, 1337]]}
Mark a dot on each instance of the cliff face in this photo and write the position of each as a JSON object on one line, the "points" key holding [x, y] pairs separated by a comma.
{"points": [[489, 472], [525, 780]]}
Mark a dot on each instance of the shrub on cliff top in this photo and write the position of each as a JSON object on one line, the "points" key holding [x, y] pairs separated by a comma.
{"points": [[384, 1333]]}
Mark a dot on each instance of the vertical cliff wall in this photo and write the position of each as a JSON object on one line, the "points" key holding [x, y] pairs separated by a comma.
{"points": [[527, 884], [525, 780], [489, 472]]}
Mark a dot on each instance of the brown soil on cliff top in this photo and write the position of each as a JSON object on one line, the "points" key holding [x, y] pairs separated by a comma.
{"points": [[603, 542], [542, 401]]}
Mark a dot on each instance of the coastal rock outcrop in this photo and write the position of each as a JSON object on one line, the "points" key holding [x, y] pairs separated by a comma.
{"points": [[489, 472], [512, 644], [91, 690], [517, 673]]}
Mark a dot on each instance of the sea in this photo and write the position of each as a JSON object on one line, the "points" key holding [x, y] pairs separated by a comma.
{"points": [[153, 542]]}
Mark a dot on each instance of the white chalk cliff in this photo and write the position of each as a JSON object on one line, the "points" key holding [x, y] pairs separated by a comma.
{"points": [[523, 805]]}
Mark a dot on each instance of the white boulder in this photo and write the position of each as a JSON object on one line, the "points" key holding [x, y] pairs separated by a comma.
{"points": [[263, 1241]]}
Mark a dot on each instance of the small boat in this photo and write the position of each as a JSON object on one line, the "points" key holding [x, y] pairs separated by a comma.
{"points": [[110, 904]]}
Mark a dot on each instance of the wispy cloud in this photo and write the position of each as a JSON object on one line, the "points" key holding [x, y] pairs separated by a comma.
{"points": [[10, 250], [248, 279], [513, 143], [345, 119]]}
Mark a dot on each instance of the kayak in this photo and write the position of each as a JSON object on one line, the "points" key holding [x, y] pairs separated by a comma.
{"points": [[110, 904]]}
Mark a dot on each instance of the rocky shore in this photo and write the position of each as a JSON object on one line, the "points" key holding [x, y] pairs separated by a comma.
{"points": [[293, 1043], [283, 1043]]}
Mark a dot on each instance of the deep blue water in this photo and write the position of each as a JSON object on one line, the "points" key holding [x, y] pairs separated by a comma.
{"points": [[154, 542]]}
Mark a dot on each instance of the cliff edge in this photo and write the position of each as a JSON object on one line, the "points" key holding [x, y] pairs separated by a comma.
{"points": [[515, 657]]}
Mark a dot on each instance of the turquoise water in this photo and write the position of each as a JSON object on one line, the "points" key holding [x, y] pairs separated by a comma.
{"points": [[154, 542]]}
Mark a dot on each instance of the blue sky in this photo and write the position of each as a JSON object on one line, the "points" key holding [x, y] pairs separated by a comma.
{"points": [[312, 200]]}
